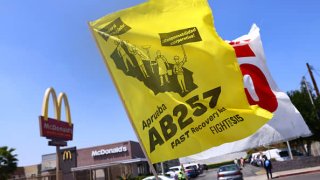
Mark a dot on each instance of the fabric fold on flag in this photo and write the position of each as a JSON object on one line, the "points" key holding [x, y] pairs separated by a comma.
{"points": [[286, 124]]}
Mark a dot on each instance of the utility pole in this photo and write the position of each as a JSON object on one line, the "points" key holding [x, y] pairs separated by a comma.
{"points": [[313, 80], [310, 96], [307, 87]]}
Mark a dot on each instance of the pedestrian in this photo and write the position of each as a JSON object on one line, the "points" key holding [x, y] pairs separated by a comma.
{"points": [[236, 162], [249, 159], [253, 158], [182, 174], [268, 166], [242, 162]]}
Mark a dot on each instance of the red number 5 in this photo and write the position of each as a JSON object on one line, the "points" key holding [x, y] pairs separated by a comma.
{"points": [[267, 99]]}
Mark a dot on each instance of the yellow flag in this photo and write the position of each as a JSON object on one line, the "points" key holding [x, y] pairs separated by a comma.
{"points": [[179, 81]]}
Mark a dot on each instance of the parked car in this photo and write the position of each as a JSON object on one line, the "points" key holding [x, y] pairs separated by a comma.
{"points": [[191, 171], [256, 159], [284, 155], [197, 166], [204, 167], [281, 154], [229, 172], [160, 177], [173, 171]]}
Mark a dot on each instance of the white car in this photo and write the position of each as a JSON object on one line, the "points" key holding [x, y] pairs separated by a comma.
{"points": [[160, 177], [281, 154], [173, 171]]}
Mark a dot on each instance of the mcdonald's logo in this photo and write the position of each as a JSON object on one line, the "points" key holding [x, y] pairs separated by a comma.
{"points": [[67, 155], [54, 128]]}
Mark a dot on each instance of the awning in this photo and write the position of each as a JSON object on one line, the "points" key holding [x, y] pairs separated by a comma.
{"points": [[104, 165]]}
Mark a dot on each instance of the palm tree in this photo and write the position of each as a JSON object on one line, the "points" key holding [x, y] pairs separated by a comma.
{"points": [[8, 162]]}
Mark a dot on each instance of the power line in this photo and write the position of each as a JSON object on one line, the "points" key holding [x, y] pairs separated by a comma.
{"points": [[299, 86], [317, 72]]}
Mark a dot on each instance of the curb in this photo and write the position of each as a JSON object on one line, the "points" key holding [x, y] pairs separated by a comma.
{"points": [[298, 173]]}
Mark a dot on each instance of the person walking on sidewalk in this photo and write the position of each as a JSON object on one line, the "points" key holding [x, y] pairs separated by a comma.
{"points": [[236, 162], [241, 162], [268, 166]]}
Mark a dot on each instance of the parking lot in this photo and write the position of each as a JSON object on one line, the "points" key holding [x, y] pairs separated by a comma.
{"points": [[211, 174]]}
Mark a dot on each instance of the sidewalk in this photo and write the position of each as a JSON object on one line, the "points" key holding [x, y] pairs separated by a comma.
{"points": [[261, 175]]}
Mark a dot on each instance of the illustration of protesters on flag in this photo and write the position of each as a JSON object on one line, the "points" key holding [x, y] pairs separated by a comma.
{"points": [[123, 54], [178, 70], [152, 62], [140, 57], [163, 66], [159, 75]]}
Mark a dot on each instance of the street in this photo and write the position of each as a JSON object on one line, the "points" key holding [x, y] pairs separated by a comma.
{"points": [[249, 171], [209, 174], [311, 176]]}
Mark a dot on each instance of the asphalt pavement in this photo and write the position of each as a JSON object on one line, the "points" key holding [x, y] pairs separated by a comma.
{"points": [[248, 171], [251, 172], [261, 175]]}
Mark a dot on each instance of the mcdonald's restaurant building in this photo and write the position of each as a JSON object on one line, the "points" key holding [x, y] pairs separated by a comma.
{"points": [[105, 162], [110, 161]]}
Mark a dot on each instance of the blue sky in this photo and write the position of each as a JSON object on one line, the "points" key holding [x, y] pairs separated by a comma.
{"points": [[48, 43]]}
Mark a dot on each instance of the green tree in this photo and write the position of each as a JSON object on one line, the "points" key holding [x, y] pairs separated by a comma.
{"points": [[317, 104], [8, 162], [301, 100]]}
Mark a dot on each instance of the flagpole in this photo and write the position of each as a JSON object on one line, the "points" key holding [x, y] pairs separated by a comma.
{"points": [[128, 114], [289, 150], [162, 169]]}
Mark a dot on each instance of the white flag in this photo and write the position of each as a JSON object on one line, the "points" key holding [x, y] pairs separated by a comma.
{"points": [[286, 124]]}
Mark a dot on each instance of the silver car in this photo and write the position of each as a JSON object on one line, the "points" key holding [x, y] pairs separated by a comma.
{"points": [[229, 172], [160, 177]]}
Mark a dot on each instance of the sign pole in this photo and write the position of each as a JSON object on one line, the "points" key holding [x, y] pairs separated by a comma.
{"points": [[58, 163], [62, 131]]}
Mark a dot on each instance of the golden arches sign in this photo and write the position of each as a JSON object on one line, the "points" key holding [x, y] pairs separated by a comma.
{"points": [[54, 128], [67, 155], [56, 104]]}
